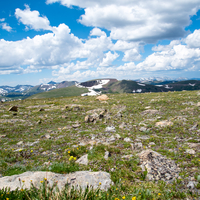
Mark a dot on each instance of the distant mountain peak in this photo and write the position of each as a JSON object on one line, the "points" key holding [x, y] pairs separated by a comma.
{"points": [[52, 83]]}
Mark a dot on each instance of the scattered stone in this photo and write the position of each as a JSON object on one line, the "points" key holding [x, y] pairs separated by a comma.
{"points": [[122, 125], [47, 136], [194, 127], [20, 143], [151, 112], [143, 129], [137, 146], [164, 123], [111, 139], [194, 145], [127, 139], [158, 167], [83, 160], [76, 125], [127, 156], [143, 137], [198, 104], [102, 97], [2, 136], [191, 185], [13, 108], [152, 143], [110, 129], [12, 121], [107, 154], [118, 136], [78, 179], [30, 144], [190, 151]]}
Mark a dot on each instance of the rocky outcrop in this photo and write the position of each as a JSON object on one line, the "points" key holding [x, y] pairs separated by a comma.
{"points": [[78, 179], [158, 167]]}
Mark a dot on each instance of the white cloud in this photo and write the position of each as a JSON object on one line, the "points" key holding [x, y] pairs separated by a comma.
{"points": [[147, 21], [2, 19], [193, 40], [6, 27], [132, 55], [108, 59], [32, 19], [97, 32]]}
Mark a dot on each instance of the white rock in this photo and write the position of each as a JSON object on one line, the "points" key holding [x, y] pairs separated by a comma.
{"points": [[83, 160], [190, 151]]}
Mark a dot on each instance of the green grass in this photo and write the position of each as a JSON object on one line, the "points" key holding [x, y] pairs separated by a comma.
{"points": [[128, 178]]}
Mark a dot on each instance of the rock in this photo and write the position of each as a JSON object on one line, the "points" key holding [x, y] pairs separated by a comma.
{"points": [[198, 104], [164, 123], [152, 143], [127, 139], [194, 145], [151, 112], [143, 137], [111, 139], [122, 125], [158, 167], [30, 144], [102, 97], [13, 108], [107, 154], [2, 136], [76, 125], [47, 136], [137, 146], [127, 156], [78, 179], [118, 136], [20, 143], [190, 151], [83, 160], [191, 185], [110, 129], [143, 129], [194, 127]]}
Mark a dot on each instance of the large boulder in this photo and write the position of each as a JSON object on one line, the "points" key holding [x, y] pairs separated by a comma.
{"points": [[158, 167], [102, 97], [77, 179]]}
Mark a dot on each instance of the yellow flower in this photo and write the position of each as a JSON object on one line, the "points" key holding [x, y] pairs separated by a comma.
{"points": [[22, 190], [77, 148], [20, 150], [45, 179], [31, 151], [99, 183], [68, 151], [116, 199], [7, 198], [123, 197], [74, 158], [41, 181], [23, 181], [30, 180], [116, 188], [133, 198], [159, 194]]}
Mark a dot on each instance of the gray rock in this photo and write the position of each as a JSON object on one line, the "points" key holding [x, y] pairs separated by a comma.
{"points": [[137, 146], [127, 156], [143, 129], [78, 179], [190, 151], [118, 136], [122, 125], [111, 139], [191, 185], [110, 129], [83, 160], [107, 154], [20, 143], [158, 167], [127, 139], [164, 123]]}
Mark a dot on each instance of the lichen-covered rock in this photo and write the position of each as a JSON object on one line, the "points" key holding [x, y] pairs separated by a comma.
{"points": [[77, 179], [158, 167], [102, 97], [164, 123], [83, 160]]}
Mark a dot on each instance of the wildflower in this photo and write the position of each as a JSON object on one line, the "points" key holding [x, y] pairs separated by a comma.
{"points": [[74, 158], [68, 151], [22, 190], [30, 180], [116, 188], [123, 197], [71, 157], [20, 150], [133, 198], [41, 181], [12, 149], [159, 194], [45, 179], [116, 199], [99, 183], [7, 192], [31, 151], [7, 198], [77, 148], [23, 181]]}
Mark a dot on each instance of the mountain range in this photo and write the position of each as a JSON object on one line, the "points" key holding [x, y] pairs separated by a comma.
{"points": [[97, 86]]}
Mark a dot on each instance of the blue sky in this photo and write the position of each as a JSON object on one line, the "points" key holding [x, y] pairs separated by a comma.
{"points": [[64, 40]]}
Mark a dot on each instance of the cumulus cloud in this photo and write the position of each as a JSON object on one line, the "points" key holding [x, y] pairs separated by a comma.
{"points": [[6, 27], [2, 19], [108, 59], [97, 32], [32, 19], [147, 21], [193, 40]]}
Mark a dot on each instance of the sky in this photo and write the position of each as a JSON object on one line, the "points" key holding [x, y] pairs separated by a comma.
{"points": [[67, 40]]}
